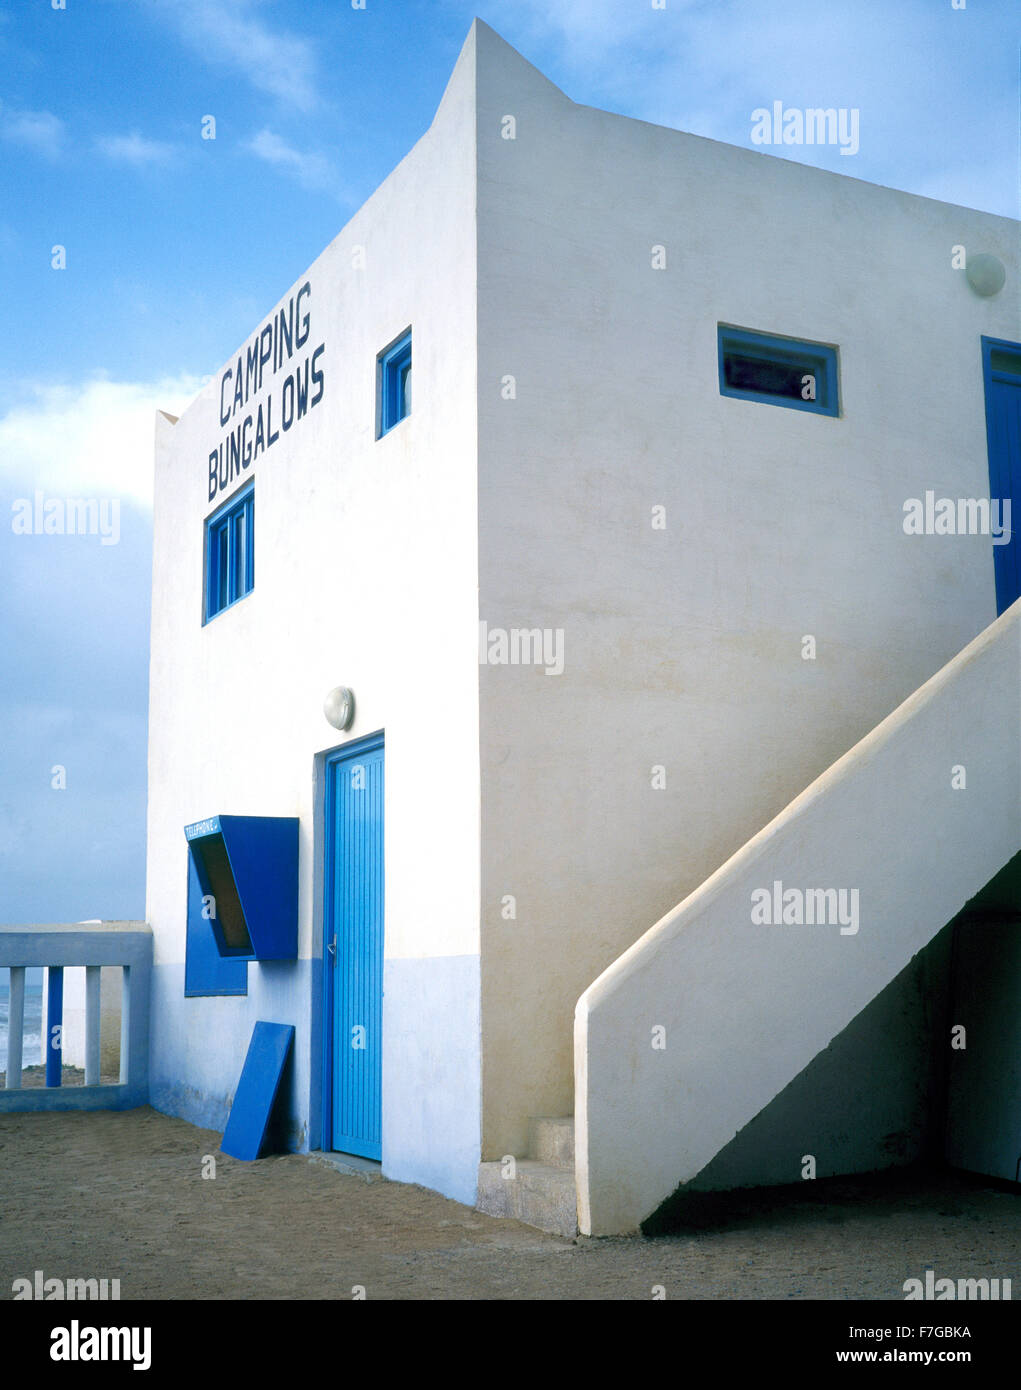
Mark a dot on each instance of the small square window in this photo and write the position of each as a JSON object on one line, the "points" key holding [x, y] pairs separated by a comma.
{"points": [[778, 371], [394, 384], [230, 558]]}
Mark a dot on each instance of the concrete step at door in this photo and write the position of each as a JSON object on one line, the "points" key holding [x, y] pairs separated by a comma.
{"points": [[540, 1194]]}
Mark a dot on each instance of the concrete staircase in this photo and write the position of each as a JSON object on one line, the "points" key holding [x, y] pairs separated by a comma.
{"points": [[540, 1189], [886, 822]]}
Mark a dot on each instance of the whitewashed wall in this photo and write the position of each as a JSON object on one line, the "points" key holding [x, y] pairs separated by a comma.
{"points": [[683, 646], [365, 575]]}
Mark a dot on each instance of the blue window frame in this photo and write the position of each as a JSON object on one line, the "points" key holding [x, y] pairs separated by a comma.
{"points": [[230, 556], [1001, 370], [778, 371], [393, 384]]}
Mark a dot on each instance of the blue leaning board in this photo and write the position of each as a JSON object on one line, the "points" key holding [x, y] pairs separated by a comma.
{"points": [[257, 1089]]}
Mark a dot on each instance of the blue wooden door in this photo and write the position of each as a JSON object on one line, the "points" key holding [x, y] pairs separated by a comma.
{"points": [[1002, 364], [353, 938]]}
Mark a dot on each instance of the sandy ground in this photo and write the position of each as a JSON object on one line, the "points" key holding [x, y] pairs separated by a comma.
{"points": [[121, 1195]]}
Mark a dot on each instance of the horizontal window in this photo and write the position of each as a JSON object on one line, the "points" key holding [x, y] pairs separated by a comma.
{"points": [[230, 558], [778, 371]]}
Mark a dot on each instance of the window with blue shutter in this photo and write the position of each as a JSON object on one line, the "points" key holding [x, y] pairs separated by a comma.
{"points": [[230, 558]]}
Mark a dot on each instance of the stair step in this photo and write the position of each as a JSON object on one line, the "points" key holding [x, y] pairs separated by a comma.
{"points": [[540, 1194], [552, 1140]]}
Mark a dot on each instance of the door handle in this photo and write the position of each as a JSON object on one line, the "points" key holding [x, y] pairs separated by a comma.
{"points": [[331, 946]]}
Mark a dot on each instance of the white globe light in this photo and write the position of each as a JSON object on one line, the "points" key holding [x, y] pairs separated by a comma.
{"points": [[986, 274], [339, 707]]}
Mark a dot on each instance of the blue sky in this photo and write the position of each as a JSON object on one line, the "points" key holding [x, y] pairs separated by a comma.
{"points": [[176, 246]]}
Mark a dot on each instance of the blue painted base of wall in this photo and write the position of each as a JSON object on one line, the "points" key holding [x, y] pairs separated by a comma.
{"points": [[432, 1074], [431, 1061], [199, 1046]]}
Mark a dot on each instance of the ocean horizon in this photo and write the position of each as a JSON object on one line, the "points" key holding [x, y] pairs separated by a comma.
{"points": [[32, 1052]]}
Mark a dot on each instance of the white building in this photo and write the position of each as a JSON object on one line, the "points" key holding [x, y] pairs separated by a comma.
{"points": [[632, 571]]}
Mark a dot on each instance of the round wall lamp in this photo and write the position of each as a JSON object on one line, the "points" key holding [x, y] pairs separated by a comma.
{"points": [[339, 707], [986, 274]]}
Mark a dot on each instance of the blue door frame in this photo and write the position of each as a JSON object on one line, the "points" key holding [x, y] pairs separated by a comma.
{"points": [[353, 901], [1001, 371]]}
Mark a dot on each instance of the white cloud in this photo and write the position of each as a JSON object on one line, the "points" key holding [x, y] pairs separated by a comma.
{"points": [[228, 32], [311, 170], [94, 438], [40, 131], [704, 65], [602, 33], [135, 149]]}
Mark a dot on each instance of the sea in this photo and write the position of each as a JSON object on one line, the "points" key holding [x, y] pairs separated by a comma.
{"points": [[32, 1050]]}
